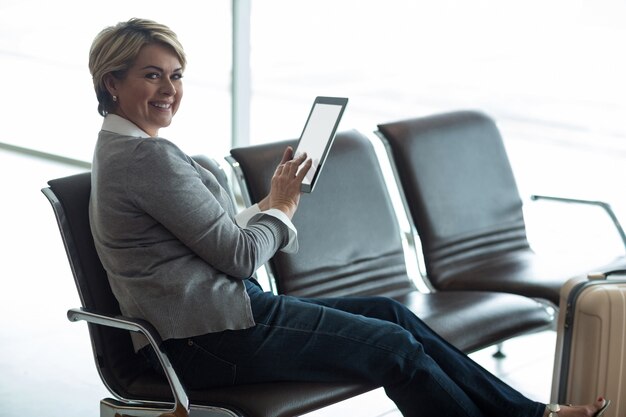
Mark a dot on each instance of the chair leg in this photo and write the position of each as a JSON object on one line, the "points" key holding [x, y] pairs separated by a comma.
{"points": [[113, 408], [499, 353]]}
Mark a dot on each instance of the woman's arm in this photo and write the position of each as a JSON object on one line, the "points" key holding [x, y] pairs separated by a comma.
{"points": [[163, 183]]}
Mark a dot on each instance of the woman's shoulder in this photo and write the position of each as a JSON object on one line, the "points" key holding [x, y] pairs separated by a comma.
{"points": [[159, 150], [158, 155], [140, 158]]}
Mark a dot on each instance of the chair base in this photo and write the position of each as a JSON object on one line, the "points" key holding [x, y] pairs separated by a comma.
{"points": [[115, 408]]}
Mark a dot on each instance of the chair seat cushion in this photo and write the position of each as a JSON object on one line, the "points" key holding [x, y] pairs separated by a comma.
{"points": [[471, 320], [278, 399], [519, 272]]}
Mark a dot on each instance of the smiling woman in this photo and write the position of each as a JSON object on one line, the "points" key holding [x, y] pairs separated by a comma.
{"points": [[149, 92], [138, 75]]}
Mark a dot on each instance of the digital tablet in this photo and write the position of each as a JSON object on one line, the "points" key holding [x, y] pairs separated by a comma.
{"points": [[318, 135]]}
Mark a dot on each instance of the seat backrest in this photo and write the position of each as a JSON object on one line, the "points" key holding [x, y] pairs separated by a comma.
{"points": [[350, 243], [113, 350], [459, 186], [70, 200]]}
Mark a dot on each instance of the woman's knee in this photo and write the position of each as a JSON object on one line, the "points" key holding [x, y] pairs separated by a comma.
{"points": [[391, 310]]}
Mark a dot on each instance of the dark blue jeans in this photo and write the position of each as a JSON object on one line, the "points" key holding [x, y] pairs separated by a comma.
{"points": [[371, 339]]}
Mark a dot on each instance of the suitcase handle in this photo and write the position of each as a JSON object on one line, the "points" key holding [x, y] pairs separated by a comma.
{"points": [[594, 276]]}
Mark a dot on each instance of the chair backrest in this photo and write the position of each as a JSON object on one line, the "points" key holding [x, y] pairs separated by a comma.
{"points": [[113, 350], [115, 358], [459, 187], [349, 204]]}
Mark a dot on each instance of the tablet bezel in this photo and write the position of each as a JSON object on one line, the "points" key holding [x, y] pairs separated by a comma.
{"points": [[337, 101]]}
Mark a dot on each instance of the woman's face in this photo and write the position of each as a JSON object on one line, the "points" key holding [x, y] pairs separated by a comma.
{"points": [[150, 93]]}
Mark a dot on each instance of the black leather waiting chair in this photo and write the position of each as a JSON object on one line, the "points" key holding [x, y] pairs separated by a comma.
{"points": [[138, 389], [351, 245], [462, 195]]}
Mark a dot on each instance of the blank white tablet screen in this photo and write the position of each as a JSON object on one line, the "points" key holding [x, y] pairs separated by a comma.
{"points": [[316, 135]]}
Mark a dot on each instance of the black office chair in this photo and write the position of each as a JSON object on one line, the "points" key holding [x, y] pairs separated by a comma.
{"points": [[138, 389], [461, 192], [351, 245]]}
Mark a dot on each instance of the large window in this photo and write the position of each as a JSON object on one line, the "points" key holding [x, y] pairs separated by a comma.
{"points": [[554, 63], [48, 101], [551, 72]]}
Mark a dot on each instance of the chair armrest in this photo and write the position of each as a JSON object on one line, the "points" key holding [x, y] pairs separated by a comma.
{"points": [[181, 400], [607, 208]]}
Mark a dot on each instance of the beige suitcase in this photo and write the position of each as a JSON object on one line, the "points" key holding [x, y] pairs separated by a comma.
{"points": [[590, 357]]}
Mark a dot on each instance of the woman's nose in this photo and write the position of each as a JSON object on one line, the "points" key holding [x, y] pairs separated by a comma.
{"points": [[167, 87]]}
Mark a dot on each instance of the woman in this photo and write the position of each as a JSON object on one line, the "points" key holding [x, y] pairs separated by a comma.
{"points": [[178, 256]]}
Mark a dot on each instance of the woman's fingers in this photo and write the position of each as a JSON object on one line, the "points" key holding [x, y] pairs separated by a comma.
{"points": [[289, 162], [290, 167], [286, 182], [287, 155], [305, 168]]}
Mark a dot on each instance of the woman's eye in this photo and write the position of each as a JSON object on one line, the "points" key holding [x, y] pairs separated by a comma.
{"points": [[152, 76], [177, 76]]}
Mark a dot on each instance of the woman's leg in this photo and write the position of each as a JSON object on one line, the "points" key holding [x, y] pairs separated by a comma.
{"points": [[489, 393], [333, 340]]}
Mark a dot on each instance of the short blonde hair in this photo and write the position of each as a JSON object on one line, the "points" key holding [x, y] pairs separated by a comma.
{"points": [[115, 49]]}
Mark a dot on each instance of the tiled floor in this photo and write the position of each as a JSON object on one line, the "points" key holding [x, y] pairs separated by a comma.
{"points": [[46, 368]]}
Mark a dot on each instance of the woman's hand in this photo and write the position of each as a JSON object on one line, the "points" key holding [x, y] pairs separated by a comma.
{"points": [[285, 190]]}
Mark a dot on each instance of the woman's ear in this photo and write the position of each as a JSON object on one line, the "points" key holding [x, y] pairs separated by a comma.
{"points": [[110, 82]]}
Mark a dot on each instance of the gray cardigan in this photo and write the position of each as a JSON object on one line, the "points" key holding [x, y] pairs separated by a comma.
{"points": [[165, 232]]}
